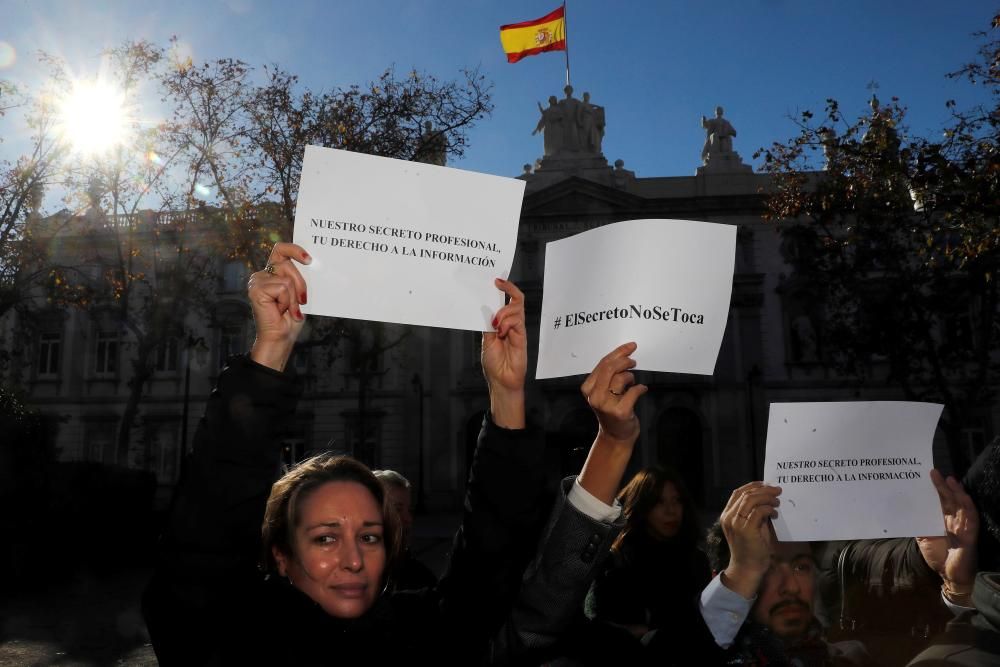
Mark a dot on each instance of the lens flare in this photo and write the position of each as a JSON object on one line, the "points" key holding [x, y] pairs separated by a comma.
{"points": [[8, 55], [92, 117]]}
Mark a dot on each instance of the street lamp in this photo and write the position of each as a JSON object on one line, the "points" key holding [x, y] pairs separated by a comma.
{"points": [[418, 384], [753, 378], [200, 348]]}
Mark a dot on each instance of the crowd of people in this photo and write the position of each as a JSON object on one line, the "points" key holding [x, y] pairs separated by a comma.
{"points": [[311, 565]]}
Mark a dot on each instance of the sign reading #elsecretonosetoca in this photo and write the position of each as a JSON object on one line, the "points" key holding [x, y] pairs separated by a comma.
{"points": [[405, 242], [665, 284]]}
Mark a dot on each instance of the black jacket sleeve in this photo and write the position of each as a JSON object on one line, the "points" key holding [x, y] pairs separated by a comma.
{"points": [[505, 507], [572, 549], [209, 548]]}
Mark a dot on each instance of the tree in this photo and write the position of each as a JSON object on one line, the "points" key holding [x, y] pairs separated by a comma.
{"points": [[22, 186], [247, 141], [216, 182], [250, 141], [140, 268], [898, 239], [384, 118]]}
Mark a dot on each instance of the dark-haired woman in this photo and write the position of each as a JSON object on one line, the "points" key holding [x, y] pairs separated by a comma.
{"points": [[656, 570], [329, 534]]}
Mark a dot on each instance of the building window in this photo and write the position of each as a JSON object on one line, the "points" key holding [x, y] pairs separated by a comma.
{"points": [[974, 437], [364, 361], [958, 330], [234, 277], [106, 353], [99, 441], [231, 341], [293, 451], [49, 347], [166, 356], [364, 446], [163, 449]]}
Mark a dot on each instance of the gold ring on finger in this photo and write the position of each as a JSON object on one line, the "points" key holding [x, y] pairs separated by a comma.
{"points": [[616, 393], [270, 269]]}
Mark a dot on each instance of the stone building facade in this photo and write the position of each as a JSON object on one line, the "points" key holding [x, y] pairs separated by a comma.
{"points": [[424, 396]]}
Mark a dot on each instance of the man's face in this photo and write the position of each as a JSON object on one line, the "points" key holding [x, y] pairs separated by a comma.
{"points": [[399, 497], [785, 598]]}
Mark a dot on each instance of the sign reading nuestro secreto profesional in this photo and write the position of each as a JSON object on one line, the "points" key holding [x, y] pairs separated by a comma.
{"points": [[405, 242], [665, 284], [853, 470]]}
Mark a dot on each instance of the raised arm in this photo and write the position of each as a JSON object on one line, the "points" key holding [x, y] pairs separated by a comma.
{"points": [[583, 522], [746, 523], [505, 359], [209, 548], [505, 498], [611, 392], [953, 556], [275, 296]]}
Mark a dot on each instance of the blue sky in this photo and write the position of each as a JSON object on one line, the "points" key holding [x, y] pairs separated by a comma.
{"points": [[655, 66]]}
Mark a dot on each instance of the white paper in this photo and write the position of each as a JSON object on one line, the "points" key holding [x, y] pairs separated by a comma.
{"points": [[665, 284], [406, 242], [853, 471]]}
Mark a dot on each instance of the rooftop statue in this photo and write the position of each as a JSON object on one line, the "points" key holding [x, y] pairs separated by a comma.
{"points": [[718, 136], [592, 124], [571, 128], [717, 155], [551, 125]]}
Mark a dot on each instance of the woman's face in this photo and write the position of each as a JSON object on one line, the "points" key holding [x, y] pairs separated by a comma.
{"points": [[664, 520], [338, 550]]}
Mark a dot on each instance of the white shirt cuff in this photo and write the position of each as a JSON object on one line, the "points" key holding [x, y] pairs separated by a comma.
{"points": [[596, 509], [724, 611]]}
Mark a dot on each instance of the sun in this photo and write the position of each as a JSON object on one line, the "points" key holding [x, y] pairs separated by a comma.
{"points": [[92, 117]]}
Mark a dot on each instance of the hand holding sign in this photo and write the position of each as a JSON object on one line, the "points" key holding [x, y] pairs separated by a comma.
{"points": [[275, 294], [505, 359], [953, 556], [611, 392], [746, 523]]}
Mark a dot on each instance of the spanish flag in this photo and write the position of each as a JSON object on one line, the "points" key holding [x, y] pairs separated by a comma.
{"points": [[533, 37]]}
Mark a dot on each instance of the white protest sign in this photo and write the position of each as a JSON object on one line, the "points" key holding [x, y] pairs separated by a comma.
{"points": [[665, 284], [406, 242], [853, 471]]}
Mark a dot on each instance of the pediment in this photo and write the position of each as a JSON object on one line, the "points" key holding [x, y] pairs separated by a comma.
{"points": [[579, 198]]}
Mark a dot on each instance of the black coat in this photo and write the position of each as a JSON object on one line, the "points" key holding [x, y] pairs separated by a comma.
{"points": [[649, 583], [411, 575], [883, 594], [972, 639], [208, 604]]}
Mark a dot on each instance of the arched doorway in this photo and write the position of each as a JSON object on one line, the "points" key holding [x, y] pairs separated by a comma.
{"points": [[679, 445]]}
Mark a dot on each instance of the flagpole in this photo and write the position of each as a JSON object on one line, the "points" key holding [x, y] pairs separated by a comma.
{"points": [[566, 27]]}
